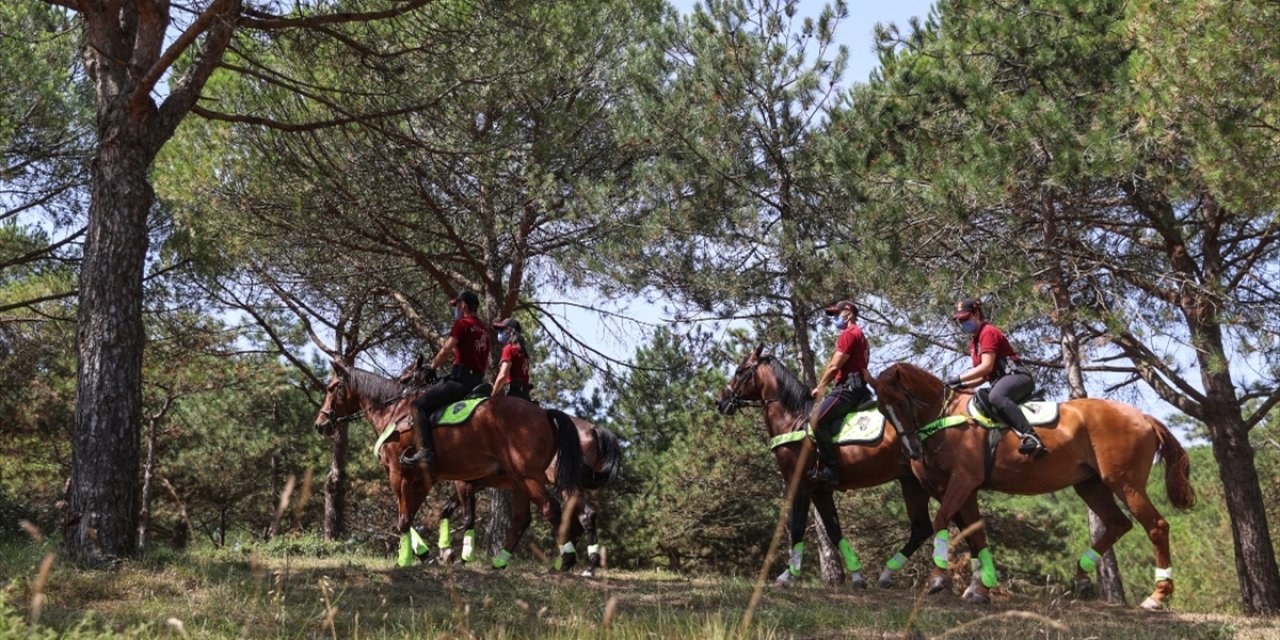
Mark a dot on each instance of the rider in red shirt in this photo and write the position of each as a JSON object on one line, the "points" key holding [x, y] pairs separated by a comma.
{"points": [[513, 372], [848, 368], [468, 344], [995, 361]]}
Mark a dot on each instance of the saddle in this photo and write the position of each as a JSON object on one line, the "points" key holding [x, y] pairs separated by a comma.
{"points": [[1038, 412], [457, 413]]}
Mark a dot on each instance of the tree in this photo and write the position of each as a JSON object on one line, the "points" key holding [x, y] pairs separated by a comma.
{"points": [[128, 52]]}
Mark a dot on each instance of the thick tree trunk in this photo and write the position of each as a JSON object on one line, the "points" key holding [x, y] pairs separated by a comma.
{"points": [[1254, 553], [104, 494], [500, 520], [335, 487]]}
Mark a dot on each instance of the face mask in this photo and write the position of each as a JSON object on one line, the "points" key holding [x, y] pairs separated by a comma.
{"points": [[503, 337], [841, 323], [969, 326], [457, 312]]}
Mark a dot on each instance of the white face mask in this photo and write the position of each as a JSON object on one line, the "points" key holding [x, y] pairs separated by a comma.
{"points": [[503, 336], [842, 323]]}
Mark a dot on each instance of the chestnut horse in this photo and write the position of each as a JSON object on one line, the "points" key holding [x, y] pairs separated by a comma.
{"points": [[761, 380], [506, 440], [1100, 448], [602, 454]]}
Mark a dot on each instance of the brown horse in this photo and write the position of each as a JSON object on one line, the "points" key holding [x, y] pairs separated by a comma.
{"points": [[602, 454], [1098, 447], [761, 380], [506, 440]]}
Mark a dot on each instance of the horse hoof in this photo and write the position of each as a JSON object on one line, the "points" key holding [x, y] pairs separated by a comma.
{"points": [[446, 556], [858, 581], [1081, 586], [976, 597], [785, 579], [1151, 604], [937, 584]]}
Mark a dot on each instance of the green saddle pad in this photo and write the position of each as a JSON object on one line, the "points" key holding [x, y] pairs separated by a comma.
{"points": [[861, 427], [458, 412], [1037, 413]]}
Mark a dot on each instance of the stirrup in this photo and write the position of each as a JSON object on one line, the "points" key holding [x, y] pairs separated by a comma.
{"points": [[1031, 445], [826, 473], [418, 457]]}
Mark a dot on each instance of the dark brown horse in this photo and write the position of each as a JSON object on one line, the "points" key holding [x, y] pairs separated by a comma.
{"points": [[763, 381], [602, 454], [506, 440], [1101, 448]]}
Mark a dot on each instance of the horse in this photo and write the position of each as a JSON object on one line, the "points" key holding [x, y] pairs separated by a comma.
{"points": [[1100, 448], [506, 440], [603, 456], [761, 380]]}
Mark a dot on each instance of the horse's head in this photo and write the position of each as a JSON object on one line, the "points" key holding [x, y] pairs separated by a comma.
{"points": [[909, 397], [339, 400], [745, 387]]}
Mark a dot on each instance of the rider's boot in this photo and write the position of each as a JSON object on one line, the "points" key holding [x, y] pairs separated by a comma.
{"points": [[829, 471], [426, 453], [1031, 444]]}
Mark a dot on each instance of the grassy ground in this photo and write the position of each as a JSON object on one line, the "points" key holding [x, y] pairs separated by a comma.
{"points": [[229, 594]]}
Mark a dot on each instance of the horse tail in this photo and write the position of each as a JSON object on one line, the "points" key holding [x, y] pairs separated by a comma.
{"points": [[569, 461], [610, 452], [1177, 467]]}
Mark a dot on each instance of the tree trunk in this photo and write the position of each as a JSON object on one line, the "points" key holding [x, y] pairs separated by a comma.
{"points": [[335, 487], [104, 502], [1254, 553], [500, 520]]}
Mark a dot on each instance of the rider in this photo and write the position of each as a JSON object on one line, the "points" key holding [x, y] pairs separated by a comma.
{"points": [[995, 361], [848, 368], [468, 343], [513, 372]]}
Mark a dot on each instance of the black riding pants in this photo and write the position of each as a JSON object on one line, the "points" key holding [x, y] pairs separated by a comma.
{"points": [[842, 399], [1005, 395], [451, 389]]}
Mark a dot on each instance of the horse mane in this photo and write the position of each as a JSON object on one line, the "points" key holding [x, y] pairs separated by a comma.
{"points": [[374, 386], [792, 393]]}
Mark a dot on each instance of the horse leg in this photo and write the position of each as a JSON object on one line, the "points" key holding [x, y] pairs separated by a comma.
{"points": [[984, 577], [960, 490], [917, 501], [409, 498], [587, 521], [826, 504], [468, 499], [570, 528], [1157, 528], [1100, 500], [519, 522], [797, 521]]}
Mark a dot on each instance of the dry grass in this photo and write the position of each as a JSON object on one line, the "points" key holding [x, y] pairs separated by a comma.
{"points": [[224, 595]]}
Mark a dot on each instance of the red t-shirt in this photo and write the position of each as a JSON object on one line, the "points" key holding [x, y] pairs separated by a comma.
{"points": [[473, 344], [852, 342], [989, 339], [519, 370]]}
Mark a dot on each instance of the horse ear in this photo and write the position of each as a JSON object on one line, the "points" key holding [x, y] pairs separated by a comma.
{"points": [[419, 362], [339, 368], [759, 350]]}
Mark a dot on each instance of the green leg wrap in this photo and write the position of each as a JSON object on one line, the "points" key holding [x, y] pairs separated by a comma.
{"points": [[988, 568], [896, 562], [469, 545], [851, 563], [406, 551], [502, 560], [940, 542], [443, 541], [416, 542], [1089, 560], [797, 553]]}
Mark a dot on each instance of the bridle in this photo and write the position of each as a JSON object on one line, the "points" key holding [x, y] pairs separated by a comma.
{"points": [[740, 378], [408, 391]]}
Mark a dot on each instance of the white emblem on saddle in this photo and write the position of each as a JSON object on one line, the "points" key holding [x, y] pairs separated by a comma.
{"points": [[861, 426], [1037, 413]]}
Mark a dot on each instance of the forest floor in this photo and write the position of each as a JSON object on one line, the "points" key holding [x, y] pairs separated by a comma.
{"points": [[242, 594]]}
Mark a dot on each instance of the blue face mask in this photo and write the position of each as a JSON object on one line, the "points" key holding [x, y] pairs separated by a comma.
{"points": [[503, 336], [842, 323], [969, 326], [457, 312]]}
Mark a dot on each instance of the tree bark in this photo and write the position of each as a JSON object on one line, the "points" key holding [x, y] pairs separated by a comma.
{"points": [[335, 486]]}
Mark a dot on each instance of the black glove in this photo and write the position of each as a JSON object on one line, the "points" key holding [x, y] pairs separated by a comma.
{"points": [[429, 377], [954, 383]]}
